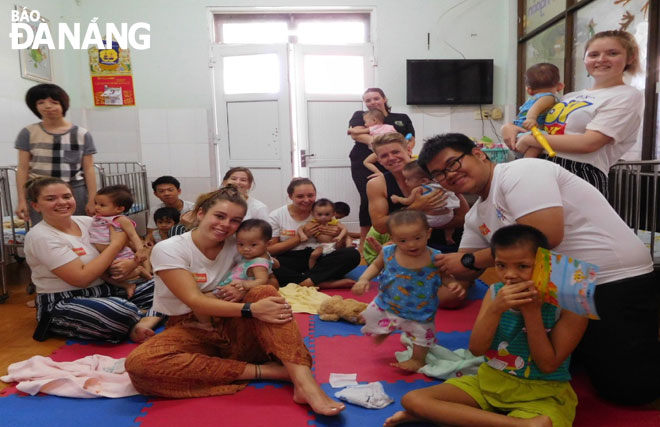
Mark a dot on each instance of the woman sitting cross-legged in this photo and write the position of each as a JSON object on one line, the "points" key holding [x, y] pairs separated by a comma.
{"points": [[72, 299], [293, 254], [253, 336]]}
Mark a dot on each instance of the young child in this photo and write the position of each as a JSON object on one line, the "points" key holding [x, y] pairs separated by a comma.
{"points": [[527, 345], [165, 219], [542, 84], [342, 210], [323, 212], [167, 189], [111, 203], [255, 266], [408, 287], [422, 184], [373, 125]]}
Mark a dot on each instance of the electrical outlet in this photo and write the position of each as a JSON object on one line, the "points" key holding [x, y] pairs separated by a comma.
{"points": [[483, 114]]}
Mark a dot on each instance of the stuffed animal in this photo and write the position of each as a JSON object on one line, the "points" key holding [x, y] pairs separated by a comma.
{"points": [[335, 308]]}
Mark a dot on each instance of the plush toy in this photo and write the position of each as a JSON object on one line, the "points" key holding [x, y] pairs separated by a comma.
{"points": [[335, 308]]}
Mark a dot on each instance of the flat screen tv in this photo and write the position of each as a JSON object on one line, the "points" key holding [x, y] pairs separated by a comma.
{"points": [[449, 81]]}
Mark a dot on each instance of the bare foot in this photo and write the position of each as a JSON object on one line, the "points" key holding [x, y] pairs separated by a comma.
{"points": [[140, 334], [130, 290], [410, 365], [379, 339], [316, 398], [400, 417], [332, 284], [540, 421]]}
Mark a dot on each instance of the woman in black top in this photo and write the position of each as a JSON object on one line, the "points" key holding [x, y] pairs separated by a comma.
{"points": [[374, 98]]}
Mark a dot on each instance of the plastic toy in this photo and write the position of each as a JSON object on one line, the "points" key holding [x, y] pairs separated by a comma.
{"points": [[543, 141]]}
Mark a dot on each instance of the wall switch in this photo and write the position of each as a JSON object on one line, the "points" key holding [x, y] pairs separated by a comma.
{"points": [[483, 114]]}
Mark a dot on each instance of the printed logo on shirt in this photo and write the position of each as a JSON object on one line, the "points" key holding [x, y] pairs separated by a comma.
{"points": [[555, 120], [79, 251], [483, 228], [288, 232], [499, 214], [200, 277], [398, 123]]}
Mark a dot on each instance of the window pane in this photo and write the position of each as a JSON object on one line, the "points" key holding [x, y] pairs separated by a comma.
{"points": [[538, 12], [254, 32], [327, 74], [548, 46], [331, 32], [251, 74]]}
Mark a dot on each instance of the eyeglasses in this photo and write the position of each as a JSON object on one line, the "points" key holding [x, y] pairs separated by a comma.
{"points": [[452, 166]]}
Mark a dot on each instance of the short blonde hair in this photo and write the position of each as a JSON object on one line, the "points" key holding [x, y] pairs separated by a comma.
{"points": [[389, 138]]}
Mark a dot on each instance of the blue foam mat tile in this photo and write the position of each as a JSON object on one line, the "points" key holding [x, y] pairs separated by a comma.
{"points": [[54, 411], [331, 329], [477, 291], [355, 415], [453, 340], [356, 272], [267, 383]]}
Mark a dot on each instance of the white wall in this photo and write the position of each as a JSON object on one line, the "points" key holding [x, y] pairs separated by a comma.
{"points": [[170, 129]]}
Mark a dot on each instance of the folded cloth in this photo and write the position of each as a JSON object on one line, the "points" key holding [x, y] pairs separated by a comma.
{"points": [[91, 376], [342, 380], [370, 395], [303, 299], [441, 362]]}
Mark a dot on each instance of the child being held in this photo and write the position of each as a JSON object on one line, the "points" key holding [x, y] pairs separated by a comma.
{"points": [[374, 125], [252, 270], [323, 212], [111, 203], [407, 297], [165, 218], [422, 184], [527, 345], [542, 84]]}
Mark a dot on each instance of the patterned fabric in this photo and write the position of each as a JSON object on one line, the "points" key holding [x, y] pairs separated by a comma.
{"points": [[411, 294], [333, 221], [522, 112], [589, 173], [100, 233], [185, 361], [383, 322], [240, 270], [58, 155], [509, 351], [96, 313]]}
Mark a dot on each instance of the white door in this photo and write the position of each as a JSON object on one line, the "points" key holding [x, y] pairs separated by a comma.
{"points": [[253, 116], [330, 81]]}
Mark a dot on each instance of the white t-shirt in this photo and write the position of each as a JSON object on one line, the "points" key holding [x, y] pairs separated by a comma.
{"points": [[285, 227], [47, 248], [256, 209], [614, 111], [187, 206], [593, 231], [180, 252]]}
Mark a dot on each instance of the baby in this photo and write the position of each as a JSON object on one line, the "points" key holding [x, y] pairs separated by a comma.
{"points": [[408, 285], [111, 203], [374, 125], [323, 212], [421, 184], [165, 218], [542, 84]]}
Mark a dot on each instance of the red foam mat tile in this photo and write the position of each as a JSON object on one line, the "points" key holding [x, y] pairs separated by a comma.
{"points": [[303, 320], [269, 406], [72, 352], [358, 354], [457, 320]]}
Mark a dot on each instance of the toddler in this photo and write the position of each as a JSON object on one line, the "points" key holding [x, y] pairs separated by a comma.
{"points": [[422, 184], [342, 210], [323, 212], [408, 287], [374, 125], [542, 84], [110, 204], [165, 218], [527, 345], [255, 266]]}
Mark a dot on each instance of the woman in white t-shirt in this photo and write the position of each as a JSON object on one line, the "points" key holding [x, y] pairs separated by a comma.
{"points": [[72, 299], [293, 255], [243, 179], [253, 339], [591, 129]]}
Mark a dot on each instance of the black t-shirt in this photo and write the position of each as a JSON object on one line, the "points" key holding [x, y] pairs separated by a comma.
{"points": [[400, 121]]}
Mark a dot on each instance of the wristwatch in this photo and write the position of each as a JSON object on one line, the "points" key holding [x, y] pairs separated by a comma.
{"points": [[246, 311], [468, 262]]}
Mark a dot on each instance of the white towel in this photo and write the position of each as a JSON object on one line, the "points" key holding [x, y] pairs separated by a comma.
{"points": [[441, 362], [91, 376], [370, 395]]}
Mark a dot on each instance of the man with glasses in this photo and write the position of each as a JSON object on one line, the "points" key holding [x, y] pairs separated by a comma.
{"points": [[579, 222]]}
